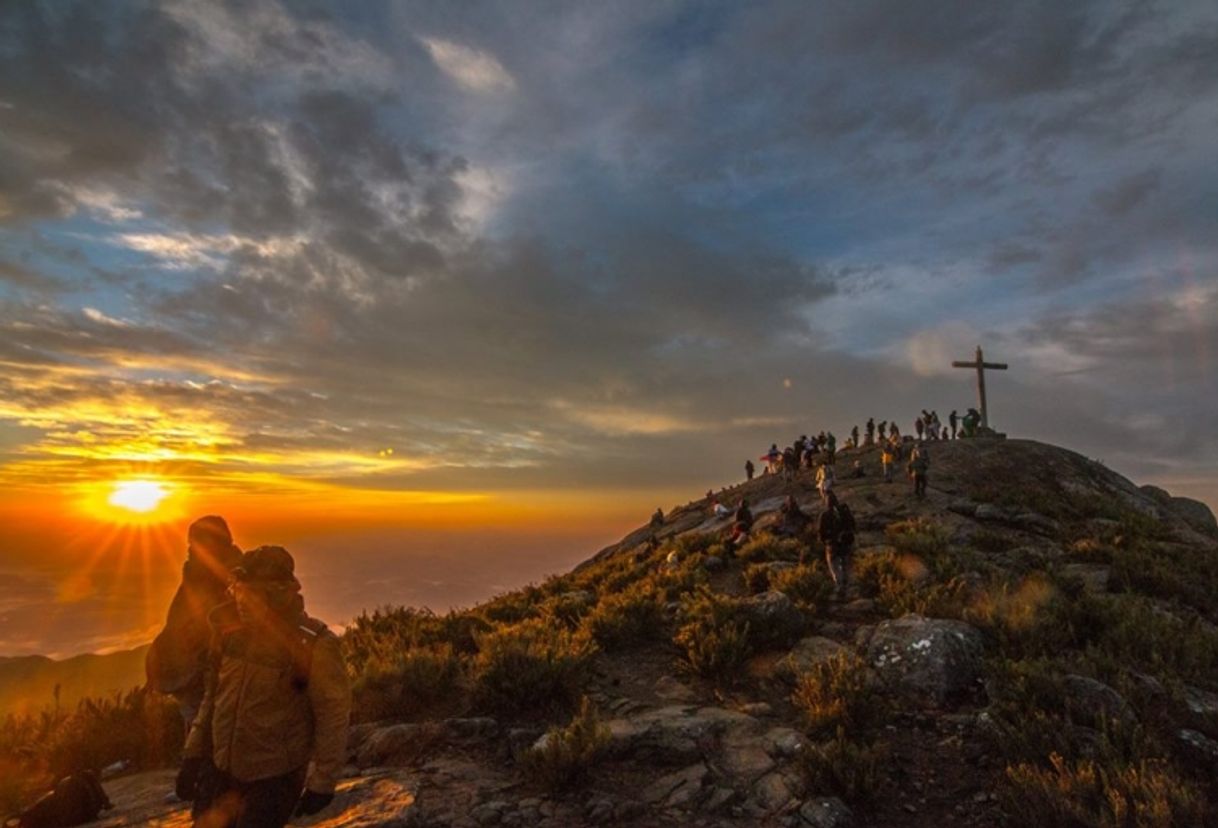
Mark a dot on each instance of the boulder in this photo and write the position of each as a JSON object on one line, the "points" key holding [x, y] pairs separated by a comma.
{"points": [[683, 787], [1093, 700], [672, 734], [1093, 577], [671, 689], [388, 745], [1198, 749], [773, 618], [929, 661], [991, 512], [772, 792], [1201, 710], [825, 812], [1196, 514]]}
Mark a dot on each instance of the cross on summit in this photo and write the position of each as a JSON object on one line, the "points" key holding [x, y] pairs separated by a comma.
{"points": [[981, 365]]}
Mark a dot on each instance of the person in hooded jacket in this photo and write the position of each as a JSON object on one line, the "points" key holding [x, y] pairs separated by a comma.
{"points": [[271, 736], [176, 660]]}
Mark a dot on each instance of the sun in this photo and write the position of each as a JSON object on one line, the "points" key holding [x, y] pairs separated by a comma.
{"points": [[139, 496]]}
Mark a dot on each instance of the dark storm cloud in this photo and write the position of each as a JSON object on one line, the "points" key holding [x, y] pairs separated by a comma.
{"points": [[689, 193]]}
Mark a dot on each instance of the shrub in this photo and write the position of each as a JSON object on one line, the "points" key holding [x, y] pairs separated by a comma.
{"points": [[1174, 573], [513, 607], [533, 667], [567, 754], [714, 636], [807, 585], [756, 578], [850, 769], [921, 537], [1083, 794], [989, 540], [139, 727], [379, 636], [766, 547], [410, 683], [625, 618], [836, 693]]}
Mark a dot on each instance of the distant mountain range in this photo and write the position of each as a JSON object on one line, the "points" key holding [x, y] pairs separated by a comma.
{"points": [[27, 683]]}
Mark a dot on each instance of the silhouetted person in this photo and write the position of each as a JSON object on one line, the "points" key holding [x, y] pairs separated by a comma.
{"points": [[657, 519], [953, 420], [271, 738], [176, 661], [835, 529], [919, 467], [749, 469], [793, 521]]}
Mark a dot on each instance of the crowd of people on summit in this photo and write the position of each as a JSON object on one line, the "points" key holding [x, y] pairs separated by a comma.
{"points": [[834, 527]]}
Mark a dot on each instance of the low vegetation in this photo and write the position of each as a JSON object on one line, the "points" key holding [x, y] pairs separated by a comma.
{"points": [[566, 755]]}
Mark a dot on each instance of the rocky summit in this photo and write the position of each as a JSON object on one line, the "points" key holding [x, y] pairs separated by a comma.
{"points": [[1032, 644]]}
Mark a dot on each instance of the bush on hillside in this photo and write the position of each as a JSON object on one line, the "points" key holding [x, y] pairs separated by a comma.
{"points": [[838, 693], [852, 768], [533, 668], [1084, 794], [626, 618], [566, 755], [408, 684], [714, 636]]}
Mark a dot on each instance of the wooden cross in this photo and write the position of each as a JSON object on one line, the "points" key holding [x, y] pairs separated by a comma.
{"points": [[980, 364]]}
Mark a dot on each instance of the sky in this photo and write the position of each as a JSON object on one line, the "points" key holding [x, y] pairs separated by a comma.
{"points": [[447, 296]]}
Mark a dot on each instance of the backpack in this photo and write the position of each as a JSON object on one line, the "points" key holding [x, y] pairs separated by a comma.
{"points": [[76, 799], [845, 530]]}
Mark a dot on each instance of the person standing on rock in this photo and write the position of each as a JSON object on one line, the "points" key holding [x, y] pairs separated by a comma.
{"points": [[177, 660], [919, 466], [749, 469], [854, 435], [953, 420], [835, 529], [887, 458], [271, 736], [824, 481]]}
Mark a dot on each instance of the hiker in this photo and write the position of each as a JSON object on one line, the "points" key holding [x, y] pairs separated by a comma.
{"points": [[835, 529], [744, 516], [881, 431], [854, 435], [749, 469], [953, 420], [887, 458], [799, 446], [870, 431], [789, 465], [176, 660], [718, 509], [272, 732], [772, 457], [831, 449], [824, 481], [893, 431], [919, 428], [919, 465], [657, 519], [794, 521]]}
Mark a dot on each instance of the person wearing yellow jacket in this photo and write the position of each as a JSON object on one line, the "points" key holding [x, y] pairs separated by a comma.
{"points": [[271, 733]]}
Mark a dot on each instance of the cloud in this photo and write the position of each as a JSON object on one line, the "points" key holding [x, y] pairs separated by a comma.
{"points": [[476, 70]]}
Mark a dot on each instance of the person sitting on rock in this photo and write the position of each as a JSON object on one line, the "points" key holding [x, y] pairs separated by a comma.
{"points": [[794, 522], [835, 529], [271, 736], [744, 516], [657, 519]]}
